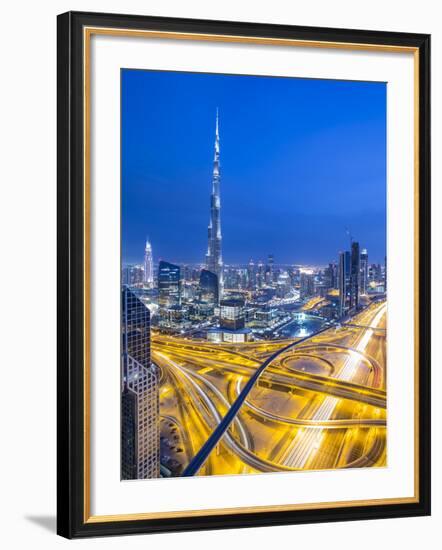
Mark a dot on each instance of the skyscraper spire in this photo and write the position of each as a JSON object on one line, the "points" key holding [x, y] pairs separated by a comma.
{"points": [[214, 261], [148, 263]]}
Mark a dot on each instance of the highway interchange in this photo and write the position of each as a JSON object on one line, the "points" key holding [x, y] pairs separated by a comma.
{"points": [[318, 405]]}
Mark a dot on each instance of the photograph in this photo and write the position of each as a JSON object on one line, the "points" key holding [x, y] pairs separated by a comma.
{"points": [[226, 251], [253, 274]]}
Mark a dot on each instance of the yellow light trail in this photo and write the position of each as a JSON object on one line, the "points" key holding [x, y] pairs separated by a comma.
{"points": [[307, 442], [198, 375]]}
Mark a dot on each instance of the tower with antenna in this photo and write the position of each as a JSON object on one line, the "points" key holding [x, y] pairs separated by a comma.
{"points": [[148, 263], [214, 260]]}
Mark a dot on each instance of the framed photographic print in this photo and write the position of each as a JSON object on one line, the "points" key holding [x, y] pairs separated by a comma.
{"points": [[243, 274]]}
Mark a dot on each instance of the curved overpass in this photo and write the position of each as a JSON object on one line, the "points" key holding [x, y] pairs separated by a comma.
{"points": [[224, 424], [219, 431]]}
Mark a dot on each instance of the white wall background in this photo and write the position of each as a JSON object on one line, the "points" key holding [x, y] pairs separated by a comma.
{"points": [[28, 280]]}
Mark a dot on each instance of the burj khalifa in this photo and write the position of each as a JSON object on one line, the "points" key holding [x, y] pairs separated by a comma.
{"points": [[214, 259]]}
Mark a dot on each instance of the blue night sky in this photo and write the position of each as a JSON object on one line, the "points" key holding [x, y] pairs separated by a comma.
{"points": [[301, 161]]}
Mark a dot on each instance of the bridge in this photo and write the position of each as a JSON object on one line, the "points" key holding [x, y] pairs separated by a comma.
{"points": [[364, 327], [219, 431]]}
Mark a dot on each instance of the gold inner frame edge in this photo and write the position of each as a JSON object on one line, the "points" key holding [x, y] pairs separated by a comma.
{"points": [[87, 34]]}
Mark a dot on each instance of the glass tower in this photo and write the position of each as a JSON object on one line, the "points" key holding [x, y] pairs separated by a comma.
{"points": [[355, 274], [232, 316], [307, 286], [208, 287], [148, 264], [344, 282], [169, 285], [364, 271], [140, 437]]}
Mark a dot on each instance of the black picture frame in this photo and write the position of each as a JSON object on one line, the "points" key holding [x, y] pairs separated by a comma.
{"points": [[72, 520]]}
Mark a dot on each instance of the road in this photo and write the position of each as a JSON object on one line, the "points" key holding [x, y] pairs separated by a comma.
{"points": [[319, 405]]}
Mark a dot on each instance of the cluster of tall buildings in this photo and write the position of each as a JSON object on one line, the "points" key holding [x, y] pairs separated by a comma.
{"points": [[140, 437], [231, 302], [261, 274], [355, 276], [306, 285], [345, 282]]}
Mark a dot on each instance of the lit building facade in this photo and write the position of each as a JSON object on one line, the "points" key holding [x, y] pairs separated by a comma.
{"points": [[229, 336], [355, 274], [169, 285], [140, 436], [208, 287], [343, 282], [307, 285], [270, 269], [251, 275], [231, 323], [364, 271], [232, 315], [132, 275], [148, 264], [331, 276]]}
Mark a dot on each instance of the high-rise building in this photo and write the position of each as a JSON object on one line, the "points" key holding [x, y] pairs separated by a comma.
{"points": [[148, 264], [251, 275], [331, 276], [270, 269], [385, 274], [214, 260], [260, 275], [169, 285], [343, 282], [307, 285], [125, 275], [232, 315], [208, 287], [364, 271], [375, 273], [232, 319], [355, 273], [283, 284], [140, 436], [132, 275]]}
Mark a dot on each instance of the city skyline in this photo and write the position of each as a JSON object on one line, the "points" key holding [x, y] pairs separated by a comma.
{"points": [[301, 238], [235, 356]]}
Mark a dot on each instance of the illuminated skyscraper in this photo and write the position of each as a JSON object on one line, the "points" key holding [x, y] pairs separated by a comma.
{"points": [[307, 285], [260, 275], [269, 269], [140, 436], [208, 287], [132, 275], [355, 274], [148, 264], [232, 316], [231, 323], [214, 260], [343, 282], [251, 275], [364, 271], [169, 285], [330, 276]]}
